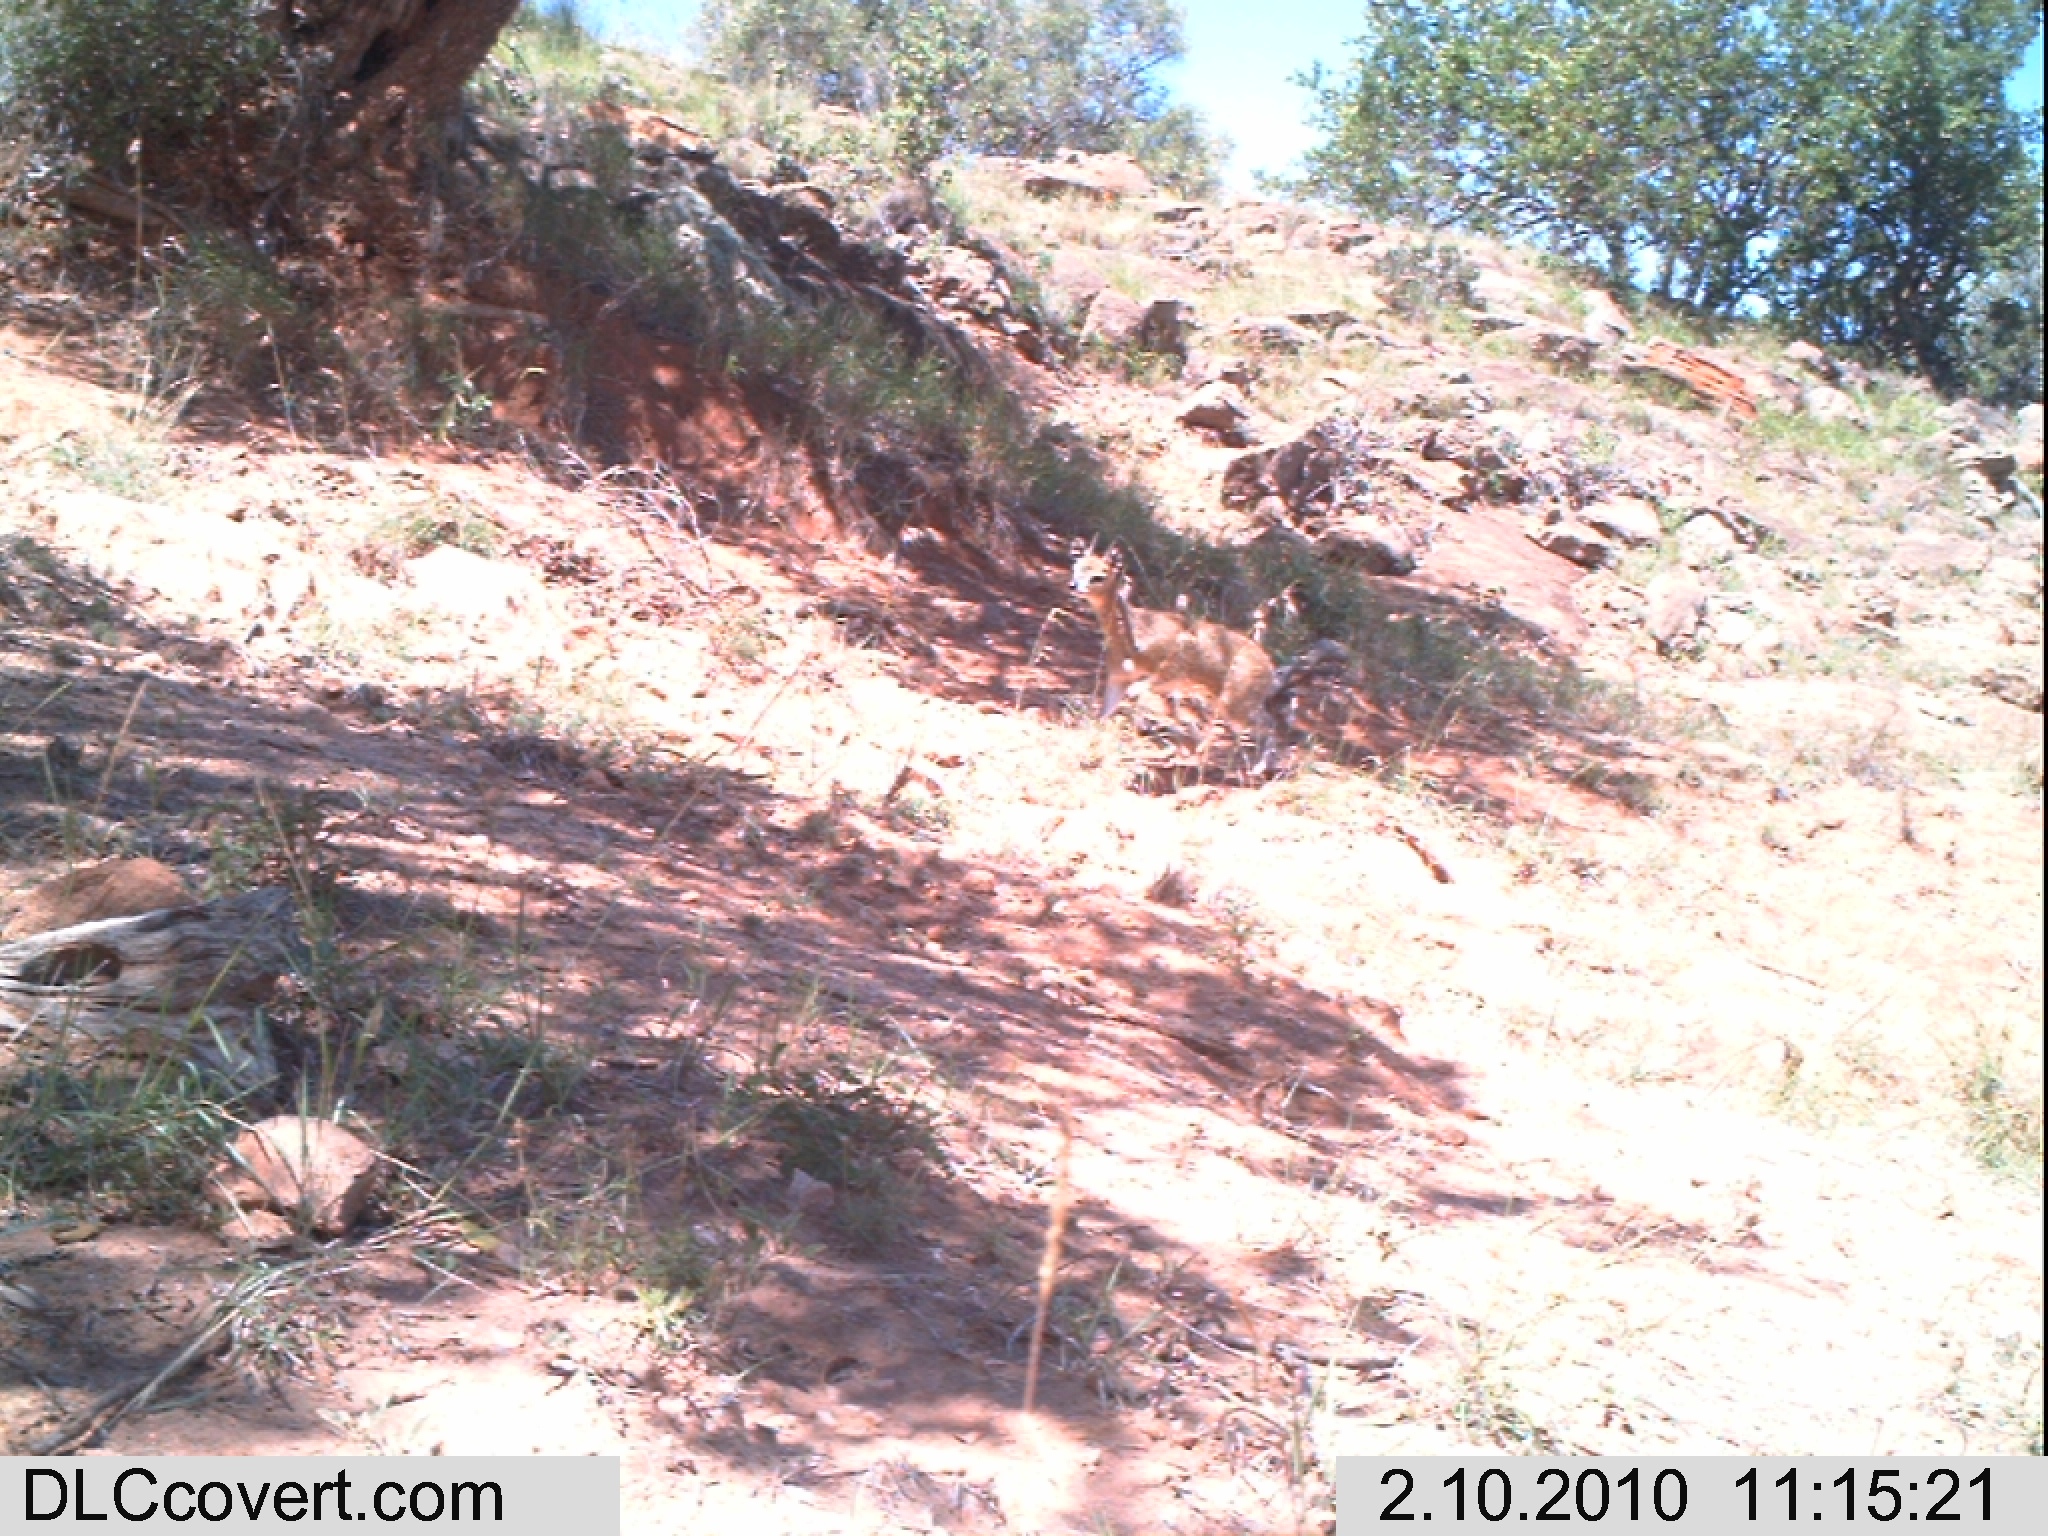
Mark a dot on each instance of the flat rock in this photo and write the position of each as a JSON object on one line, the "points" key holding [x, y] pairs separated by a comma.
{"points": [[1577, 542], [1274, 333], [1370, 544], [1629, 519], [2015, 678], [1924, 553], [473, 588]]}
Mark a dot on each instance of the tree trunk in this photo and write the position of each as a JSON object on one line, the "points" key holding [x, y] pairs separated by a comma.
{"points": [[365, 83], [182, 979], [387, 59]]}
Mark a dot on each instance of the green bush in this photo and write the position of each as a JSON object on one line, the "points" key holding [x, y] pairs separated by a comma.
{"points": [[107, 75]]}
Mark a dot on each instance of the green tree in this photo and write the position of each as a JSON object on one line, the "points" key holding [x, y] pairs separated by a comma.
{"points": [[1928, 184], [1005, 77], [1999, 351], [108, 74], [938, 59], [245, 97], [1850, 164]]}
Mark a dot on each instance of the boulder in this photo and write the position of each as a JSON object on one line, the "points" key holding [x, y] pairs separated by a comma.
{"points": [[1824, 402], [1221, 408], [1628, 519], [1706, 539], [1371, 544], [1101, 178], [1568, 349], [967, 280], [1577, 542], [1126, 325], [1114, 321], [1673, 605], [1166, 327], [1499, 293], [1075, 278], [2026, 449], [1805, 354]]}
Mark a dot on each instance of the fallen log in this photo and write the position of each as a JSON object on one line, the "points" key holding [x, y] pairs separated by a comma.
{"points": [[185, 979], [1713, 382]]}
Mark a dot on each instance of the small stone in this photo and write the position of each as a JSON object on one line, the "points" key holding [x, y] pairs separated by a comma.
{"points": [[314, 1172], [257, 1230], [810, 1196]]}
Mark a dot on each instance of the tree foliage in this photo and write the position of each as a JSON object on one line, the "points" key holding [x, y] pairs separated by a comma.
{"points": [[1848, 164], [245, 97], [108, 74], [1007, 77]]}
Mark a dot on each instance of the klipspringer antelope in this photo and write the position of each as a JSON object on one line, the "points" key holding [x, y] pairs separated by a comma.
{"points": [[1176, 658]]}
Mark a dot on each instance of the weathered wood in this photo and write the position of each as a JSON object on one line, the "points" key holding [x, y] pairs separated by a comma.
{"points": [[1711, 381], [182, 978]]}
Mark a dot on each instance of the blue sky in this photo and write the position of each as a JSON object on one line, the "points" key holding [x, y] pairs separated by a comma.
{"points": [[1241, 60]]}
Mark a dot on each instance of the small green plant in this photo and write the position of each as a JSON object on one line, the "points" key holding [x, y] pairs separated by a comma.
{"points": [[122, 1140], [1488, 1408], [466, 408], [550, 44], [132, 460], [2001, 1102], [280, 840], [744, 638], [856, 1129], [1421, 280], [225, 305], [410, 531]]}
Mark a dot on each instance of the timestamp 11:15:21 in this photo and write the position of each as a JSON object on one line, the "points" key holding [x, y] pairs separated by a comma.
{"points": [[1883, 1498]]}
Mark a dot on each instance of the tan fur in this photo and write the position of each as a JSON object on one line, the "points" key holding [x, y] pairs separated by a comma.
{"points": [[1177, 658]]}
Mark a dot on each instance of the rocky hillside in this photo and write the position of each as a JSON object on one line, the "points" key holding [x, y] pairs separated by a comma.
{"points": [[708, 891]]}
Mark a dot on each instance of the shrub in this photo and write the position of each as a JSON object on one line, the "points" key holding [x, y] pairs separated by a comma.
{"points": [[106, 75]]}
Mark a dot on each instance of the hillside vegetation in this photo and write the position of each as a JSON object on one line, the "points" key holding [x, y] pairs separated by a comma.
{"points": [[638, 645]]}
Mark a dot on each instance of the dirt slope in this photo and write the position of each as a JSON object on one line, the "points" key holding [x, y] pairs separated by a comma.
{"points": [[1439, 1095]]}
